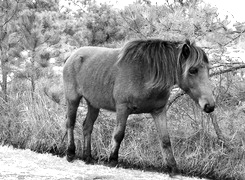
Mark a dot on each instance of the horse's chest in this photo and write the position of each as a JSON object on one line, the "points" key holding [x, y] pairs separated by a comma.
{"points": [[148, 104]]}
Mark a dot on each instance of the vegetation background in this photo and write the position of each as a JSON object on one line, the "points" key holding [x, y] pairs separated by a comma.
{"points": [[37, 36]]}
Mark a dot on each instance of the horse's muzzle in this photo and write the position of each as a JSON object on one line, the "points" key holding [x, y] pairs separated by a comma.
{"points": [[209, 108], [207, 104]]}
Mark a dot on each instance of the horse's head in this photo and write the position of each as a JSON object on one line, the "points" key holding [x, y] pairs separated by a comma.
{"points": [[194, 76]]}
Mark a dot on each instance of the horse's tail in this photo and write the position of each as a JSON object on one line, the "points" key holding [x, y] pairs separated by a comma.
{"points": [[55, 92], [66, 56], [54, 96]]}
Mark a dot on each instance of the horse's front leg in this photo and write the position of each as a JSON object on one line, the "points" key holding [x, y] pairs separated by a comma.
{"points": [[118, 134], [160, 120]]}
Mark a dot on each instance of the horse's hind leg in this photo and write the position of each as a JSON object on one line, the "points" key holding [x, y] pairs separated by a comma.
{"points": [[160, 119], [88, 123], [72, 106], [118, 134]]}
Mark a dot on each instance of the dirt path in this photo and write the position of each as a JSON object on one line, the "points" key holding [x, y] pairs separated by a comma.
{"points": [[25, 164]]}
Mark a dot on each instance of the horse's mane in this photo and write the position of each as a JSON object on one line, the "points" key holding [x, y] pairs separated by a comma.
{"points": [[161, 59]]}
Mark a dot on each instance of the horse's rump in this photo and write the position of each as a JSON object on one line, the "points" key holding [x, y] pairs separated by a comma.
{"points": [[90, 72]]}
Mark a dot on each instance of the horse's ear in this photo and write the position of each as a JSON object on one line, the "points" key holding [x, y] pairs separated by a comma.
{"points": [[187, 41], [186, 50]]}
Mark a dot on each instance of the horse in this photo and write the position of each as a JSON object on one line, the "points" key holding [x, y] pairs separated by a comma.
{"points": [[134, 79]]}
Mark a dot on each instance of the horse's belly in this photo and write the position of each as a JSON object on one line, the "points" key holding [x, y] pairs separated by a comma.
{"points": [[147, 108], [99, 95], [101, 102]]}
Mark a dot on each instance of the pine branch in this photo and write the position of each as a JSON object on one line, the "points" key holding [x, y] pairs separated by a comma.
{"points": [[12, 16], [233, 39], [133, 29]]}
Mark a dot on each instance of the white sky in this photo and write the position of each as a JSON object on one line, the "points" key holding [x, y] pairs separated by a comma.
{"points": [[235, 8]]}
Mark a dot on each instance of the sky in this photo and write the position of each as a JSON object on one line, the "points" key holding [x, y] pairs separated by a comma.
{"points": [[234, 8]]}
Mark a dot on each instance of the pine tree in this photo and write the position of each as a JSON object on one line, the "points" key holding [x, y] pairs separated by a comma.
{"points": [[9, 10], [37, 35]]}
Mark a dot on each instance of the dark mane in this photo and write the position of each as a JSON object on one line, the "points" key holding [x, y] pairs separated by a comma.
{"points": [[161, 59]]}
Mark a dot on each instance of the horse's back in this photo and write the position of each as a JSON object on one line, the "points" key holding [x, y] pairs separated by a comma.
{"points": [[90, 73]]}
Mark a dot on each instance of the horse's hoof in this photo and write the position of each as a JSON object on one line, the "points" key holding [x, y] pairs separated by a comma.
{"points": [[70, 157], [173, 171], [70, 154], [89, 160], [113, 163]]}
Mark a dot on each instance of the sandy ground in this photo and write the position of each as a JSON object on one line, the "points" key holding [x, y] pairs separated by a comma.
{"points": [[25, 164]]}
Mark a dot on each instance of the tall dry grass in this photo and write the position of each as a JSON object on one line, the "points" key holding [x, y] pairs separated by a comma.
{"points": [[39, 124]]}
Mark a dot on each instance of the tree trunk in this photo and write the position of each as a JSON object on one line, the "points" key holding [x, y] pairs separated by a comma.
{"points": [[33, 74], [32, 86], [4, 75]]}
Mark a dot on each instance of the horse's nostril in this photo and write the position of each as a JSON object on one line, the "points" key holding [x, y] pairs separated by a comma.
{"points": [[208, 108]]}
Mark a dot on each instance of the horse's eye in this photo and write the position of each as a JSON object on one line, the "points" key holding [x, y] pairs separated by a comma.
{"points": [[193, 71]]}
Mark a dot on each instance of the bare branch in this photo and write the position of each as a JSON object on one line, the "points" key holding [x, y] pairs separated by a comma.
{"points": [[177, 96], [227, 70], [226, 65], [218, 131], [78, 5]]}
